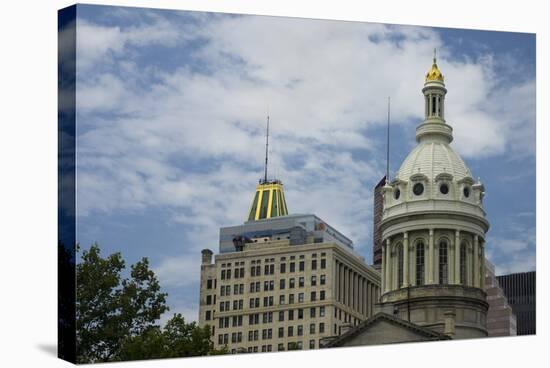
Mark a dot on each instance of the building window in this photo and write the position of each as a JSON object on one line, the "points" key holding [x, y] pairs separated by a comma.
{"points": [[208, 299], [399, 265], [282, 284], [292, 267], [209, 284], [322, 295], [420, 263], [281, 332], [444, 188], [208, 315], [301, 282], [291, 315], [313, 296], [228, 274], [313, 280], [463, 263], [321, 327], [300, 313], [281, 347], [312, 328], [314, 264], [223, 275], [266, 285], [300, 297], [312, 344], [321, 311], [323, 264], [300, 330], [291, 283], [312, 312], [290, 298], [290, 332], [283, 268], [443, 263], [281, 316], [418, 189], [281, 299], [323, 279], [301, 265]]}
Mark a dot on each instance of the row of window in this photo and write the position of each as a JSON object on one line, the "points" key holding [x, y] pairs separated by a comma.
{"points": [[238, 289], [256, 270], [267, 317], [443, 264], [237, 305], [267, 333], [236, 321], [268, 300], [418, 189], [238, 272], [229, 264], [298, 345]]}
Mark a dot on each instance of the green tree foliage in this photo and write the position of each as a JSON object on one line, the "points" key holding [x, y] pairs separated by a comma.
{"points": [[176, 339], [117, 317]]}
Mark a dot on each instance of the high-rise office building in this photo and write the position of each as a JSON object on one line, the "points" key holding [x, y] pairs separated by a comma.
{"points": [[378, 207], [283, 282], [520, 289]]}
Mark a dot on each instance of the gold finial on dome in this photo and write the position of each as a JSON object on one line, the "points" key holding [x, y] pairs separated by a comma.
{"points": [[434, 74]]}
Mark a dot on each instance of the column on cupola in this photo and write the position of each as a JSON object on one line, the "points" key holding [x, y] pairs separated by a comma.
{"points": [[450, 263], [482, 264], [383, 269], [405, 259], [388, 265], [476, 261], [431, 259], [457, 258]]}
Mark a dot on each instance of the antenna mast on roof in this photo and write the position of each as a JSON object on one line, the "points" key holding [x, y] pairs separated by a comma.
{"points": [[388, 145], [266, 149]]}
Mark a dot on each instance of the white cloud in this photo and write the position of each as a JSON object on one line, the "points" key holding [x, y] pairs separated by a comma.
{"points": [[193, 142]]}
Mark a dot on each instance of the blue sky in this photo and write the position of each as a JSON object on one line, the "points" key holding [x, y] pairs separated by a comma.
{"points": [[171, 110]]}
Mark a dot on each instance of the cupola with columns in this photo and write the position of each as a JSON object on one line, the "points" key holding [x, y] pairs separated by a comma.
{"points": [[433, 229]]}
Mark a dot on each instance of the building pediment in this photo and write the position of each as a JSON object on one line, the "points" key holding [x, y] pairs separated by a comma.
{"points": [[383, 328]]}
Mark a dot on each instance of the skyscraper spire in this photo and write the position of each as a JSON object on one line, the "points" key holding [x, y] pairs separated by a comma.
{"points": [[388, 145], [269, 200], [266, 149]]}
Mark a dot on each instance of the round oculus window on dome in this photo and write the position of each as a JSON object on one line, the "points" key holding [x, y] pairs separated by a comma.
{"points": [[396, 193], [466, 191], [444, 188], [418, 189]]}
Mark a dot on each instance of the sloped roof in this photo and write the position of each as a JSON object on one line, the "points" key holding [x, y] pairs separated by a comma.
{"points": [[421, 331]]}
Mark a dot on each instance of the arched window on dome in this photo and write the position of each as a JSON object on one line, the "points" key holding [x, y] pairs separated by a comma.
{"points": [[420, 263], [463, 247], [443, 262], [399, 249]]}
